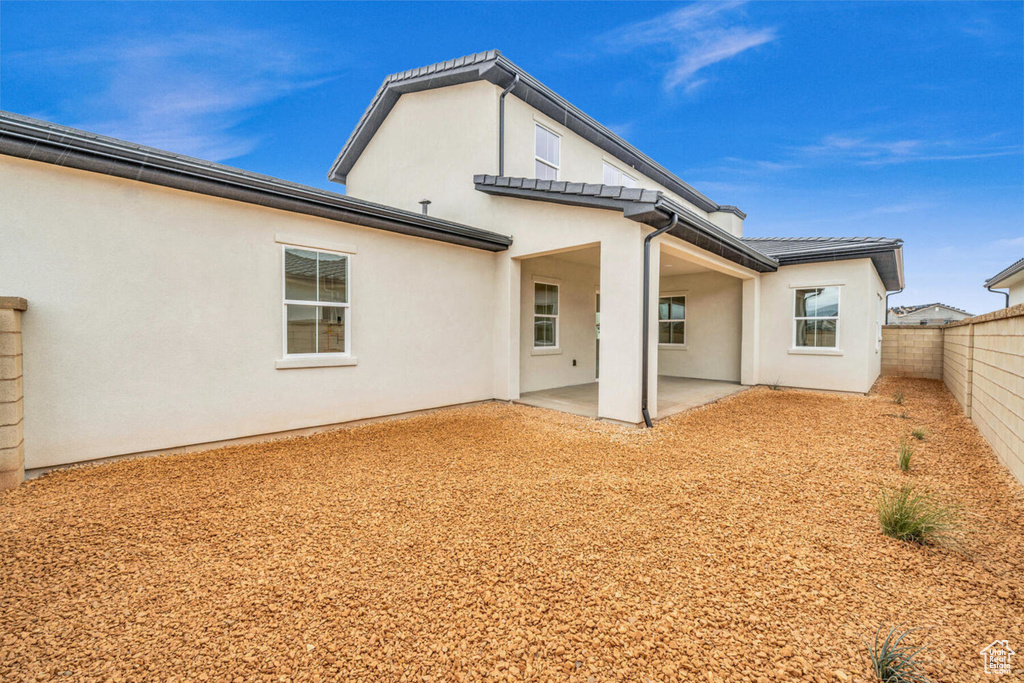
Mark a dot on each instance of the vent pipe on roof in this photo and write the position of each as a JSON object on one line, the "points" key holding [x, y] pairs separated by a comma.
{"points": [[501, 125], [424, 203], [647, 315]]}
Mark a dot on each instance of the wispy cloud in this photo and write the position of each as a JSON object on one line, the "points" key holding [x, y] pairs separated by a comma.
{"points": [[697, 36], [187, 93], [869, 151]]}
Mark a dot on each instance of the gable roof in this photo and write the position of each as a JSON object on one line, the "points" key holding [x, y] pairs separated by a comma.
{"points": [[28, 138], [495, 68], [886, 253], [651, 207], [1005, 274], [904, 310]]}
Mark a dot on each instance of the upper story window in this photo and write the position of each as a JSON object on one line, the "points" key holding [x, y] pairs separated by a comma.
{"points": [[613, 176], [547, 153], [672, 320], [316, 304], [816, 317]]}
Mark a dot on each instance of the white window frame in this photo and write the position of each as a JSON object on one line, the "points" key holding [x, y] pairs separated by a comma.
{"points": [[537, 158], [544, 350], [686, 327], [347, 306], [824, 350], [620, 173]]}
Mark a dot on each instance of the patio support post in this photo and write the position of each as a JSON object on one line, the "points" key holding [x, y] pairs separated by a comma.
{"points": [[618, 391], [12, 413], [750, 352]]}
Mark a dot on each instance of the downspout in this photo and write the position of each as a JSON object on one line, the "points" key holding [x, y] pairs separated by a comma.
{"points": [[887, 295], [1006, 294], [501, 125], [647, 314]]}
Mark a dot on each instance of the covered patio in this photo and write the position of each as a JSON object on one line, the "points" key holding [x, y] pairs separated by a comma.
{"points": [[675, 394]]}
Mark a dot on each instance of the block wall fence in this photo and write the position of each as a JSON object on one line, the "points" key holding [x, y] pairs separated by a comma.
{"points": [[981, 362], [12, 411]]}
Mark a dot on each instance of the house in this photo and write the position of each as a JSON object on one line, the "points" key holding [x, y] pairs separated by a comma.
{"points": [[1011, 279], [174, 303], [926, 314]]}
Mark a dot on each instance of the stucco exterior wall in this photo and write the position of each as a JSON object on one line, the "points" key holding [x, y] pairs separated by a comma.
{"points": [[1017, 293], [714, 326], [453, 131], [856, 363], [429, 147], [156, 317], [578, 285]]}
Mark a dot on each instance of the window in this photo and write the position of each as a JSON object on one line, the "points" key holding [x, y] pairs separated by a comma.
{"points": [[548, 149], [816, 317], [672, 320], [613, 176], [545, 315], [315, 302]]}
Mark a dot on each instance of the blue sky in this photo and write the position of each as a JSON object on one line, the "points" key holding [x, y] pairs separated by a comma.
{"points": [[884, 119]]}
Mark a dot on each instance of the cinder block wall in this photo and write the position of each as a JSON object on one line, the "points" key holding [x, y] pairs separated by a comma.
{"points": [[957, 350], [995, 386], [12, 412], [912, 351], [981, 362]]}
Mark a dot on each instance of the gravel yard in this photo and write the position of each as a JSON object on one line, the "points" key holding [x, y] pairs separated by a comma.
{"points": [[737, 542]]}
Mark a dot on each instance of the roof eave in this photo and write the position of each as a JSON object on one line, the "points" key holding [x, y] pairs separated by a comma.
{"points": [[495, 68], [44, 142], [692, 228], [891, 274]]}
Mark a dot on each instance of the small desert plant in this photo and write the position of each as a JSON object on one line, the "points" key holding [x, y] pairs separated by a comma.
{"points": [[775, 386], [906, 453], [897, 398], [894, 661], [916, 516], [918, 434]]}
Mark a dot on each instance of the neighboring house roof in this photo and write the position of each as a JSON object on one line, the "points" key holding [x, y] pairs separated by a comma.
{"points": [[495, 68], [651, 207], [1005, 274], [904, 310], [21, 136], [885, 253]]}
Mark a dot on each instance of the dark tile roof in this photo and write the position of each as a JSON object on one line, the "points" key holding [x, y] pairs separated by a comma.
{"points": [[495, 68], [1009, 271], [42, 141], [651, 207], [786, 247]]}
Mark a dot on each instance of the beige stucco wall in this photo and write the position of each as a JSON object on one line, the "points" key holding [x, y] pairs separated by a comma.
{"points": [[714, 325], [856, 364], [1017, 293], [578, 285], [912, 351], [156, 317], [453, 132]]}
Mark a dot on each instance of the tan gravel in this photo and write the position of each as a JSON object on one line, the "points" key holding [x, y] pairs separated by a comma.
{"points": [[737, 542]]}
